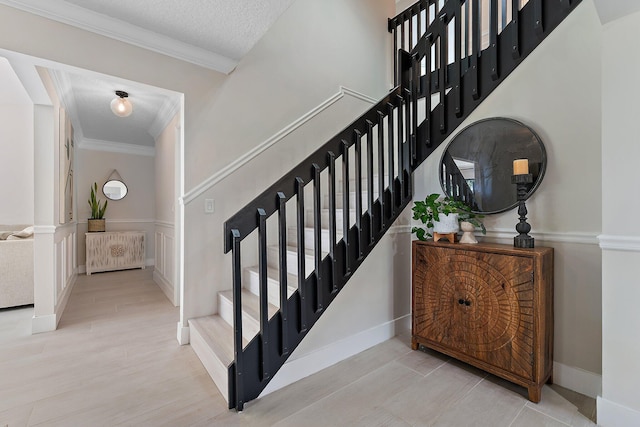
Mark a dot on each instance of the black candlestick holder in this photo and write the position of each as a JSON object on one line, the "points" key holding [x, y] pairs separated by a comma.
{"points": [[522, 240]]}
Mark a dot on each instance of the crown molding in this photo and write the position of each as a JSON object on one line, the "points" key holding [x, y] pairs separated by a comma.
{"points": [[116, 29], [167, 112], [115, 147]]}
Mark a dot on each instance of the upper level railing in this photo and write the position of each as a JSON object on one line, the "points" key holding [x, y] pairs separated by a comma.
{"points": [[472, 28]]}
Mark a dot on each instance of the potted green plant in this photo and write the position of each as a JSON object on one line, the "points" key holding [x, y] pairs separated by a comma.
{"points": [[97, 221], [434, 206]]}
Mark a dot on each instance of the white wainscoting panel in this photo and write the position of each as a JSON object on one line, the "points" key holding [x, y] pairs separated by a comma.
{"points": [[164, 270]]}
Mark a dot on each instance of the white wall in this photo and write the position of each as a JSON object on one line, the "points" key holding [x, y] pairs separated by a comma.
{"points": [[619, 404], [137, 211], [16, 149], [556, 91], [299, 64], [313, 48]]}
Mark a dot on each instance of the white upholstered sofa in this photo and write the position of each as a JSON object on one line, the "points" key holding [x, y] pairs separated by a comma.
{"points": [[16, 266]]}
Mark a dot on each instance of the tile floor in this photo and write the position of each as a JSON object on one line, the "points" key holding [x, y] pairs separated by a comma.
{"points": [[115, 361]]}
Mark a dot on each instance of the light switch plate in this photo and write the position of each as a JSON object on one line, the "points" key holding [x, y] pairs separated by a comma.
{"points": [[208, 206]]}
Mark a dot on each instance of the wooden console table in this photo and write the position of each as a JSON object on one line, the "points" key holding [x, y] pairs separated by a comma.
{"points": [[487, 305], [116, 250]]}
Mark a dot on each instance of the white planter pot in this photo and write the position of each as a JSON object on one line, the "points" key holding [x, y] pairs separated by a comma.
{"points": [[447, 224]]}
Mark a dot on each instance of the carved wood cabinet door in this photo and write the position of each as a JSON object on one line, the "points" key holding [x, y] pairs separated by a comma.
{"points": [[477, 303]]}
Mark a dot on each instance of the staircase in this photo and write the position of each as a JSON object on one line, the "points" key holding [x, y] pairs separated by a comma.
{"points": [[296, 244]]}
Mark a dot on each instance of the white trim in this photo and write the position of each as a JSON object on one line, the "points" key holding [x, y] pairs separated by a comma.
{"points": [[46, 323], [123, 31], [62, 302], [547, 236], [165, 224], [500, 234], [44, 229], [164, 285], [612, 414], [115, 147], [296, 369], [125, 221], [167, 112], [183, 334], [619, 243], [576, 379], [248, 156]]}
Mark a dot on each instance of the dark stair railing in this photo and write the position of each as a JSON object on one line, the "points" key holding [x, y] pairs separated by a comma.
{"points": [[434, 94], [380, 137], [454, 182]]}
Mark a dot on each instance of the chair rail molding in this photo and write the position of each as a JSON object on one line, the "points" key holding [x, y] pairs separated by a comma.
{"points": [[583, 238], [274, 139], [619, 243]]}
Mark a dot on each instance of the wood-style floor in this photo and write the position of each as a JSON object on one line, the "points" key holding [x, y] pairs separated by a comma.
{"points": [[115, 361]]}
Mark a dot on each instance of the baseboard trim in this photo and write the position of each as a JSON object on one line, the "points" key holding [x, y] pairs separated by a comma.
{"points": [[297, 369], [45, 323], [576, 379], [183, 334], [49, 322], [164, 285], [612, 414]]}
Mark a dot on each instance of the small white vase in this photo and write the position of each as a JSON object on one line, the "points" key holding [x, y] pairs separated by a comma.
{"points": [[467, 232], [447, 224]]}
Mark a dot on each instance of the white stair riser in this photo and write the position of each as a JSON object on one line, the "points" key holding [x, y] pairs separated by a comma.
{"points": [[309, 236], [352, 200], [252, 283], [376, 185], [324, 217], [216, 369], [292, 260], [250, 326]]}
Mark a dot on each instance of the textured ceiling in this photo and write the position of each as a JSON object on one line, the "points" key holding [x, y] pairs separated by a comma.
{"points": [[212, 33], [228, 27]]}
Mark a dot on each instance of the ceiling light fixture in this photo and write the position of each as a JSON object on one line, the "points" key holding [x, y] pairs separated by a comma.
{"points": [[121, 106]]}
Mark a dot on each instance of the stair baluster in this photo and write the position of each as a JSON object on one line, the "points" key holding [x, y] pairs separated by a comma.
{"points": [[264, 313], [461, 86], [282, 274]]}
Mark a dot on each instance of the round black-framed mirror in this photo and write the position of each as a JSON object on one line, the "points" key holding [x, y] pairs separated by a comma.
{"points": [[114, 189], [477, 165]]}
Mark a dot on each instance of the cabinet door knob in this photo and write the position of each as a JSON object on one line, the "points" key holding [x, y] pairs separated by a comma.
{"points": [[467, 303], [460, 301]]}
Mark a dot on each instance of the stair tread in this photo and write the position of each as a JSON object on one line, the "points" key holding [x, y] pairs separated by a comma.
{"points": [[218, 335], [311, 228], [308, 250], [274, 274], [250, 304]]}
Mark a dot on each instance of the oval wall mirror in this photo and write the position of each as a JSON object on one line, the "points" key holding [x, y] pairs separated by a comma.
{"points": [[477, 165], [114, 188]]}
